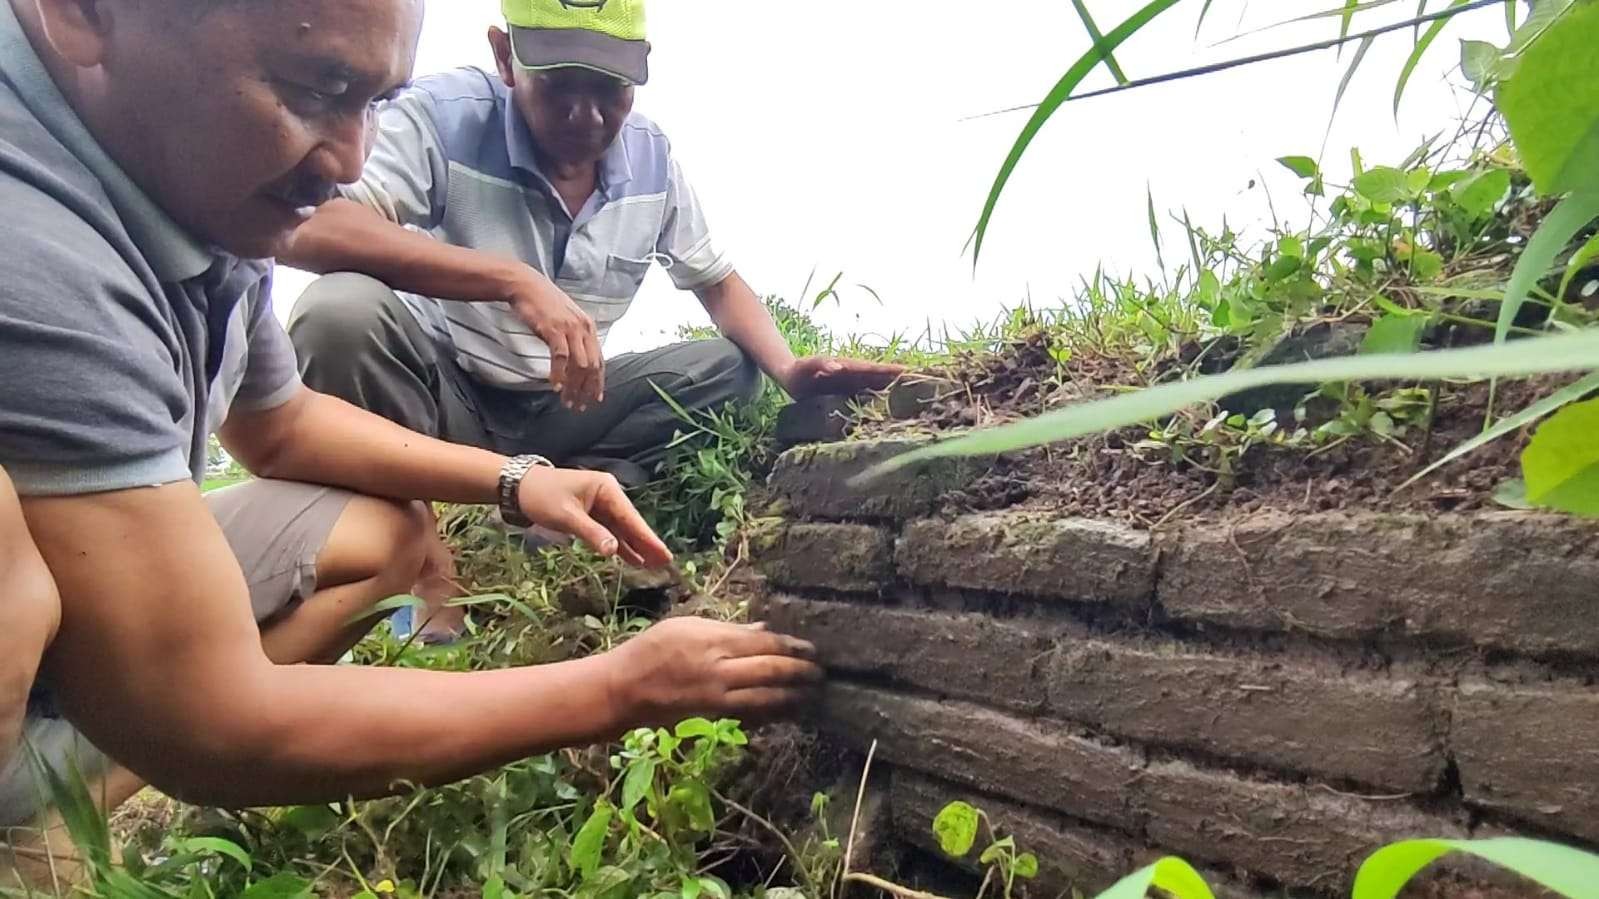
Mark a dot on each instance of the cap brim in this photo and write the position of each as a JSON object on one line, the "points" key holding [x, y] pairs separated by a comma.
{"points": [[552, 48]]}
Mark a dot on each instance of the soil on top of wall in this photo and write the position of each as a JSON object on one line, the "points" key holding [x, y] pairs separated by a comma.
{"points": [[1110, 476]]}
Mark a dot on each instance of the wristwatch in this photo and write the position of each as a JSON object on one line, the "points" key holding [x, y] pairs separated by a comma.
{"points": [[511, 475]]}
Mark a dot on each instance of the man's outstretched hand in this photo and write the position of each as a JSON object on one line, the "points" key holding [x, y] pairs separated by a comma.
{"points": [[591, 506], [687, 667], [833, 376]]}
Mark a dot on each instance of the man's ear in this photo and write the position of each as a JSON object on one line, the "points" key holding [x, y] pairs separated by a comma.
{"points": [[500, 42], [76, 29]]}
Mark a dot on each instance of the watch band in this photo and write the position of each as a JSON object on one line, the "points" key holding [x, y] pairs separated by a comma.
{"points": [[511, 476]]}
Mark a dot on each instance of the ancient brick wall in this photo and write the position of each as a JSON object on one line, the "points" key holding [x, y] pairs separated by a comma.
{"points": [[1271, 696]]}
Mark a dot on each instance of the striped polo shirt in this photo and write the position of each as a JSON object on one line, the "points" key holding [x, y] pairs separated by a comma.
{"points": [[454, 159]]}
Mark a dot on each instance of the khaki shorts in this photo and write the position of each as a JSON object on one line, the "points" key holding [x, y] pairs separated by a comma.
{"points": [[276, 529]]}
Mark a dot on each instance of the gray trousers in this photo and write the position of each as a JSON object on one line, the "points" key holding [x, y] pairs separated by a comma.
{"points": [[357, 341]]}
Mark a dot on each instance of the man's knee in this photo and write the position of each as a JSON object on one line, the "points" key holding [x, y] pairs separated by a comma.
{"points": [[733, 372], [338, 315], [384, 542]]}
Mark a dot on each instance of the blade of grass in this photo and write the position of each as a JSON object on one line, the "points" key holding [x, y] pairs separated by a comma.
{"points": [[1539, 355], [1510, 17], [1154, 228], [1099, 41], [1240, 62], [1171, 874], [1053, 101], [1343, 86], [1567, 871], [1546, 406], [1559, 228], [1203, 12], [1422, 44]]}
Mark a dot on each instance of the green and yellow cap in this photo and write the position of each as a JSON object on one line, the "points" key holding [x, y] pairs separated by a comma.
{"points": [[604, 35]]}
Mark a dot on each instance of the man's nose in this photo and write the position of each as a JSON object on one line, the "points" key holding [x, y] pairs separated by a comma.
{"points": [[342, 154], [585, 112]]}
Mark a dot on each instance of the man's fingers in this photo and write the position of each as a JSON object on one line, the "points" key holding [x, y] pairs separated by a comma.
{"points": [[560, 353], [612, 507], [757, 641], [578, 524], [770, 671], [597, 379], [758, 704]]}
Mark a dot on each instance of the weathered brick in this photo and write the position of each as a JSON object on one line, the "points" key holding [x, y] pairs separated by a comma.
{"points": [[1070, 855], [1029, 761], [1531, 753], [814, 420], [1299, 836], [849, 558], [815, 480], [1031, 554], [971, 657], [1514, 580], [1276, 712]]}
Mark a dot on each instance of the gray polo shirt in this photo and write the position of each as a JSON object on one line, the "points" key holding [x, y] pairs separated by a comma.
{"points": [[124, 342]]}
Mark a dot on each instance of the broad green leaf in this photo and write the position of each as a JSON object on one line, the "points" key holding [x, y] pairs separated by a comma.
{"points": [[1539, 355], [1303, 166], [1479, 62], [1561, 464], [1383, 184], [996, 851], [1579, 261], [1480, 192], [1512, 494], [494, 888], [1057, 96], [1559, 228], [1566, 871], [1527, 416], [695, 727], [1099, 39], [716, 887], [636, 785], [693, 801], [1544, 13], [1026, 865], [279, 886], [218, 846], [1171, 874], [692, 888], [1420, 50], [1551, 103], [1394, 334], [590, 840], [312, 821], [956, 829]]}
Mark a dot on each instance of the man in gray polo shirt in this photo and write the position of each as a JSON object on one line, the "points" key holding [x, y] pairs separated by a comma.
{"points": [[503, 224], [152, 154]]}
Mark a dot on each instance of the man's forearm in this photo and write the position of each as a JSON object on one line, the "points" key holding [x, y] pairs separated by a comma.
{"points": [[385, 738], [321, 439], [345, 236], [742, 318]]}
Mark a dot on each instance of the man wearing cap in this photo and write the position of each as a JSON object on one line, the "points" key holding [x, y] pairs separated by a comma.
{"points": [[503, 224]]}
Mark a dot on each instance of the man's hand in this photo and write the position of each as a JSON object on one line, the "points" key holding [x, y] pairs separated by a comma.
{"points": [[686, 667], [830, 376], [577, 366], [592, 507]]}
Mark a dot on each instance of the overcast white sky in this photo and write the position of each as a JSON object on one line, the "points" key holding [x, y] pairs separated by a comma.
{"points": [[826, 134]]}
